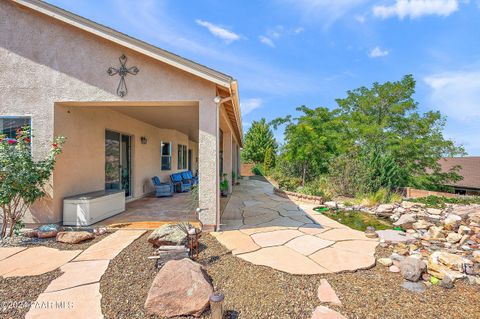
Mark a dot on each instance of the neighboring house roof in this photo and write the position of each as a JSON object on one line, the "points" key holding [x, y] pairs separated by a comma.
{"points": [[470, 170], [159, 54]]}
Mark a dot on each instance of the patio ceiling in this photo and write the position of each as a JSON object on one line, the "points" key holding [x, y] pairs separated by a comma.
{"points": [[181, 118]]}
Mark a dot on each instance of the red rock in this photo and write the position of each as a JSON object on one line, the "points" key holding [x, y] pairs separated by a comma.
{"points": [[74, 237], [47, 234], [326, 293], [323, 312], [180, 288]]}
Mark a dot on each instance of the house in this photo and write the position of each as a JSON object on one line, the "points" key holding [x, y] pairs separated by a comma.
{"points": [[469, 170], [129, 110]]}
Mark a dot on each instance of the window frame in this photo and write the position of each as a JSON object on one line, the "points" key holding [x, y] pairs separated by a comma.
{"points": [[182, 153], [169, 156], [30, 120]]}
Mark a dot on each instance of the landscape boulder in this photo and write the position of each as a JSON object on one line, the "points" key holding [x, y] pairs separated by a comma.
{"points": [[167, 235], [47, 231], [181, 288], [74, 237], [412, 268], [384, 210], [406, 221]]}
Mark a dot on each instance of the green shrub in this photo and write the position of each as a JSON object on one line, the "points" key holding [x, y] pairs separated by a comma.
{"points": [[258, 170], [289, 183], [440, 201], [382, 196], [269, 161], [321, 186]]}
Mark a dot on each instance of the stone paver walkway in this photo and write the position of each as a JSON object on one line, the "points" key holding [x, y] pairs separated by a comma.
{"points": [[265, 229], [76, 293], [33, 261]]}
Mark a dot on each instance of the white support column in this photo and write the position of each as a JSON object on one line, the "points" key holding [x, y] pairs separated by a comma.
{"points": [[208, 164], [227, 157]]}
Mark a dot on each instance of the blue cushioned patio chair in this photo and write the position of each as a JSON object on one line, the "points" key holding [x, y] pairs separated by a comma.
{"points": [[187, 175], [180, 184], [162, 189]]}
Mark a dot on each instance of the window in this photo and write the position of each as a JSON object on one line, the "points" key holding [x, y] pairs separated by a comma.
{"points": [[182, 156], [10, 124], [166, 155]]}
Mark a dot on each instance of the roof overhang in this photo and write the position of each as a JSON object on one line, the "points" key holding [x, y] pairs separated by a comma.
{"points": [[224, 82]]}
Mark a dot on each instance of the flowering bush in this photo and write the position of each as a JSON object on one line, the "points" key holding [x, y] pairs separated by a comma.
{"points": [[22, 179]]}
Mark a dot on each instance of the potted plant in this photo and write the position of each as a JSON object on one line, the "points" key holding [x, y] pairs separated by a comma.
{"points": [[224, 186]]}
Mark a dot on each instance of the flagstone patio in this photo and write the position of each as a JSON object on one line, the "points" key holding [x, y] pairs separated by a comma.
{"points": [[265, 229]]}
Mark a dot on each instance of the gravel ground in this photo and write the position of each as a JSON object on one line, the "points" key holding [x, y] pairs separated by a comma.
{"points": [[260, 292], [21, 241], [16, 293]]}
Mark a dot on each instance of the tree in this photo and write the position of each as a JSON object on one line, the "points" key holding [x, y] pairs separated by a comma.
{"points": [[269, 161], [21, 177], [385, 119], [257, 140], [312, 140]]}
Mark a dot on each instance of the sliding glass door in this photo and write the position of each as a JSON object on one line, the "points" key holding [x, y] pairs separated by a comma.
{"points": [[118, 161]]}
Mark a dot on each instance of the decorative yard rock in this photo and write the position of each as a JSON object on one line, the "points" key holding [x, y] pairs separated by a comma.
{"points": [[422, 224], [74, 237], [331, 204], [394, 236], [167, 235], [452, 222], [412, 268], [446, 282], [384, 210], [394, 268], [454, 238], [180, 288], [434, 211], [414, 286], [326, 293], [436, 232], [464, 230], [406, 221], [322, 312], [47, 231], [387, 262], [476, 256]]}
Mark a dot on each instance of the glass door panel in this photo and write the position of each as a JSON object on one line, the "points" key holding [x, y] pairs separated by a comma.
{"points": [[112, 160]]}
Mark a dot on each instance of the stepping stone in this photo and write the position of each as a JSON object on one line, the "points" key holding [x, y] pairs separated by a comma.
{"points": [[109, 247], [236, 241], [275, 238], [336, 260], [290, 213], [322, 312], [394, 236], [326, 293], [250, 230], [417, 287], [313, 229], [35, 261], [308, 244], [6, 252], [256, 211], [303, 219], [284, 259], [79, 273], [282, 222], [357, 246], [76, 303], [344, 234], [249, 203], [260, 219]]}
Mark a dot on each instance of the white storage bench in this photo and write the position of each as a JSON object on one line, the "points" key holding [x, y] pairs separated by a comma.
{"points": [[87, 209]]}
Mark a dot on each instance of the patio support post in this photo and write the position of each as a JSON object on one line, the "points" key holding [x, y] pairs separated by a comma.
{"points": [[208, 164], [227, 157]]}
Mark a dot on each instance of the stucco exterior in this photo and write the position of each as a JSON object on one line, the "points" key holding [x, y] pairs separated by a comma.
{"points": [[47, 64]]}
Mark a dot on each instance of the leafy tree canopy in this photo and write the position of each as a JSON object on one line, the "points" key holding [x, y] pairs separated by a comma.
{"points": [[258, 140]]}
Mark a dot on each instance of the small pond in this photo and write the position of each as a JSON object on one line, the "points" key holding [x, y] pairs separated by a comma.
{"points": [[356, 219]]}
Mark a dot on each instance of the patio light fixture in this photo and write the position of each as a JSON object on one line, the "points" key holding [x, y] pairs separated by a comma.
{"points": [[143, 140], [220, 100], [216, 305]]}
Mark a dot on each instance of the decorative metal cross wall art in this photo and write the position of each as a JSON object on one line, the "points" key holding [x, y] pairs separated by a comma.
{"points": [[122, 71]]}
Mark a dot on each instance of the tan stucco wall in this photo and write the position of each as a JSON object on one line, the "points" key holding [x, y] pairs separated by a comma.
{"points": [[44, 61]]}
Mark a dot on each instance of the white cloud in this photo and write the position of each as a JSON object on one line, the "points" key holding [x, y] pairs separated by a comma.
{"points": [[248, 105], [416, 8], [456, 94], [267, 41], [377, 52], [218, 31], [360, 18], [324, 11], [298, 30]]}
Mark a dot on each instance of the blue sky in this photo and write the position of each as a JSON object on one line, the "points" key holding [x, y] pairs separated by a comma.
{"points": [[287, 53]]}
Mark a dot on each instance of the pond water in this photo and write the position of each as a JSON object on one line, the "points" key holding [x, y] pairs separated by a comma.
{"points": [[356, 219]]}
